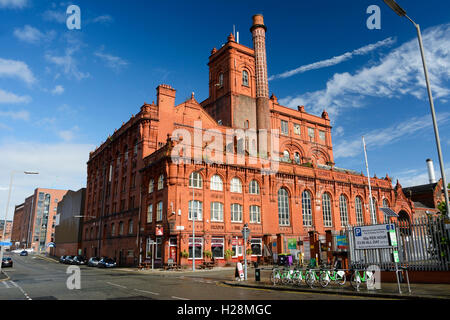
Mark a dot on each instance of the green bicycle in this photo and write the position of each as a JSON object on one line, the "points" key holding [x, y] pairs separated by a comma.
{"points": [[312, 275], [326, 276], [299, 276], [366, 276], [279, 275]]}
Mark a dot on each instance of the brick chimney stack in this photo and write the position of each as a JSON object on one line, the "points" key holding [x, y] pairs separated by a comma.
{"points": [[258, 31]]}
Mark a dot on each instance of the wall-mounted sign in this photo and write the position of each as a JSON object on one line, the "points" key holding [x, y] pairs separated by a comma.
{"points": [[292, 244], [342, 242]]}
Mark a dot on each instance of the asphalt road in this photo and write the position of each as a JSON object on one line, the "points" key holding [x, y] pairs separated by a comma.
{"points": [[34, 278]]}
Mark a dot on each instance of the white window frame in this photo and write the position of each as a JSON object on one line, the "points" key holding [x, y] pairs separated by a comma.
{"points": [[195, 180], [216, 183], [359, 211], [198, 206], [311, 133], [297, 129], [326, 210], [283, 208], [322, 134], [195, 242], [218, 241], [257, 241], [343, 210], [245, 78], [254, 187], [284, 127], [216, 211], [151, 186], [130, 226], [236, 185], [236, 209], [161, 182], [150, 213], [159, 211], [255, 211]]}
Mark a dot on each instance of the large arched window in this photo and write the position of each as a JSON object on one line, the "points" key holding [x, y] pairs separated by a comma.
{"points": [[359, 211], [373, 211], [283, 207], [245, 78], [236, 185], [326, 210], [343, 209], [385, 205], [306, 208], [216, 183], [196, 180], [254, 187]]}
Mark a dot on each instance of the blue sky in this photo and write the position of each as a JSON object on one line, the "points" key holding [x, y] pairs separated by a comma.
{"points": [[63, 91]]}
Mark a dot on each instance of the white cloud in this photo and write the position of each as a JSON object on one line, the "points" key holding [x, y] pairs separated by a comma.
{"points": [[381, 137], [68, 64], [60, 166], [16, 69], [32, 35], [16, 115], [13, 4], [335, 60], [398, 73], [58, 90], [419, 176], [9, 97], [113, 62], [106, 18], [58, 16]]}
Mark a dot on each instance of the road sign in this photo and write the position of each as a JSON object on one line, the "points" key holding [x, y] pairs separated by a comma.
{"points": [[372, 237], [5, 244]]}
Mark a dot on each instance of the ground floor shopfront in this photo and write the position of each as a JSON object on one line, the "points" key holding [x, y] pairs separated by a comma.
{"points": [[224, 249]]}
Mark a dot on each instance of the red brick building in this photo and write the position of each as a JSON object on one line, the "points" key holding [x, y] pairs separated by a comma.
{"points": [[141, 179], [34, 220]]}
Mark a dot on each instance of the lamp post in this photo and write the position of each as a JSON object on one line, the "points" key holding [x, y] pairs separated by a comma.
{"points": [[194, 216], [6, 212], [402, 13]]}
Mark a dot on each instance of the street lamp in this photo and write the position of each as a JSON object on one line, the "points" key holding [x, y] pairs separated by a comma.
{"points": [[7, 206], [194, 216], [402, 13]]}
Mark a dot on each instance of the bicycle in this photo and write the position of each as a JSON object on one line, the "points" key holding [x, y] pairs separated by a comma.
{"points": [[312, 276], [326, 276], [279, 275], [299, 276], [367, 276]]}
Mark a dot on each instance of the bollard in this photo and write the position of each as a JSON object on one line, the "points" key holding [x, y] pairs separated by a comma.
{"points": [[257, 274]]}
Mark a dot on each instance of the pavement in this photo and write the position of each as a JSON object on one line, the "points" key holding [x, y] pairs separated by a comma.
{"points": [[224, 275]]}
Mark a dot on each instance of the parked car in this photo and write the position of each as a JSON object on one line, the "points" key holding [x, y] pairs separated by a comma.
{"points": [[24, 253], [79, 260], [68, 260], [107, 263], [61, 259], [93, 262], [7, 262]]}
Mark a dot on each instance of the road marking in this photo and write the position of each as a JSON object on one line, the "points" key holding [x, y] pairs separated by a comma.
{"points": [[173, 297], [6, 285], [117, 285], [24, 293], [155, 293]]}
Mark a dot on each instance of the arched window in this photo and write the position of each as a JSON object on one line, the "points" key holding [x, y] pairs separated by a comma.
{"points": [[373, 211], [254, 187], [359, 211], [306, 208], [120, 228], [113, 230], [195, 180], [151, 185], [283, 207], [125, 153], [135, 147], [385, 205], [245, 78], [216, 183], [343, 209], [161, 182], [286, 156], [326, 210], [236, 185]]}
